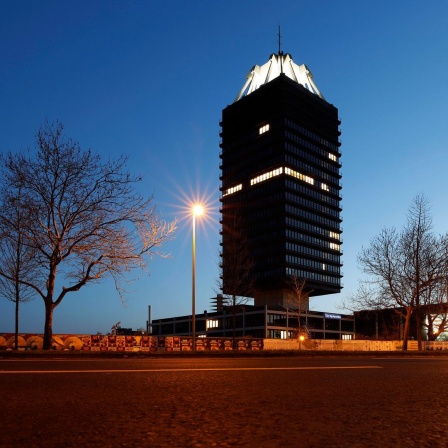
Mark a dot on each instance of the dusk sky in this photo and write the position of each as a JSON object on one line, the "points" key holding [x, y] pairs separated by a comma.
{"points": [[150, 78]]}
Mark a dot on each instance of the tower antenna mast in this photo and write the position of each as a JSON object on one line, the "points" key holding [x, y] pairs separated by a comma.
{"points": [[280, 54], [279, 41]]}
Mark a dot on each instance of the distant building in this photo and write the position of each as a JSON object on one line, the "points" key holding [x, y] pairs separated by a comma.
{"points": [[280, 183]]}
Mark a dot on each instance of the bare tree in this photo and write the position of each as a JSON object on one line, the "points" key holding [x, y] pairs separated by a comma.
{"points": [[236, 269], [418, 243], [385, 261], [17, 259], [435, 310], [404, 265], [298, 301], [434, 297], [86, 220]]}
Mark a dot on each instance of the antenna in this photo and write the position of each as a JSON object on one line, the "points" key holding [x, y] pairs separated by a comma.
{"points": [[279, 41], [280, 49]]}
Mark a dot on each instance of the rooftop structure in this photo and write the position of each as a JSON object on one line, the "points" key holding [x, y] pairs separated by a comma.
{"points": [[278, 64]]}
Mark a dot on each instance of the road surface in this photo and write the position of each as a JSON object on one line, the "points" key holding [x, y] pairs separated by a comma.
{"points": [[225, 402]]}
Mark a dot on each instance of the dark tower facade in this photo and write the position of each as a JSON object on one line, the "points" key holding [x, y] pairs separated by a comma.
{"points": [[280, 184]]}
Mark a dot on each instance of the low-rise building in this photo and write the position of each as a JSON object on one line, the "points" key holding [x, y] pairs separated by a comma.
{"points": [[271, 322]]}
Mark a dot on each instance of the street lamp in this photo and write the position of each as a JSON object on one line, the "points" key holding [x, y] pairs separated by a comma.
{"points": [[301, 339], [197, 211]]}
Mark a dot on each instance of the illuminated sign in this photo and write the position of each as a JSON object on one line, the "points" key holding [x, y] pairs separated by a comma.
{"points": [[332, 316]]}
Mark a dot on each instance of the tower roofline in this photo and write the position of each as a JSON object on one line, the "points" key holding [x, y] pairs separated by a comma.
{"points": [[280, 63]]}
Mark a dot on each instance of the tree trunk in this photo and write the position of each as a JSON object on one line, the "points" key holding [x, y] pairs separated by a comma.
{"points": [[48, 328], [233, 322], [49, 305], [407, 322], [376, 325], [419, 327], [16, 317], [16, 334]]}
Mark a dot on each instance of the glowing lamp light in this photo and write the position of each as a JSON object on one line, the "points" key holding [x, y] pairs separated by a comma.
{"points": [[198, 210]]}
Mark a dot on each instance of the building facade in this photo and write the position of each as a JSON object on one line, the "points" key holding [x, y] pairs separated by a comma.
{"points": [[267, 322], [280, 186]]}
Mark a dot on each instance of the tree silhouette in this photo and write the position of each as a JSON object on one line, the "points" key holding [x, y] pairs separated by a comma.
{"points": [[17, 259], [298, 301], [407, 268], [86, 221]]}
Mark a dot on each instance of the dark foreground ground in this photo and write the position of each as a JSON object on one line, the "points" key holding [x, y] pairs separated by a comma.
{"points": [[261, 400]]}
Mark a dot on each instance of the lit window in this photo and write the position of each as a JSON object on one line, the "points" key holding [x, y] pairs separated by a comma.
{"points": [[263, 129], [212, 323], [300, 176], [278, 171], [332, 157], [233, 189], [325, 187], [266, 176], [334, 246]]}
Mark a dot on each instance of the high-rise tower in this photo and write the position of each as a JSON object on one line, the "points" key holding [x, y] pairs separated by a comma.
{"points": [[280, 183]]}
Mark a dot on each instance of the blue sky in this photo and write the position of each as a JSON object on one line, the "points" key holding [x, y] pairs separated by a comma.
{"points": [[150, 78]]}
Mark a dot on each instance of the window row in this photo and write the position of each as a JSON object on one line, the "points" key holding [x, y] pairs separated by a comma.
{"points": [[290, 172], [233, 189], [310, 204], [313, 276], [236, 165], [314, 194], [312, 135], [281, 170], [312, 240], [212, 323], [254, 147], [309, 215], [313, 252], [249, 139], [237, 142], [306, 226], [316, 160], [306, 144], [266, 176], [300, 176], [263, 129], [293, 161], [291, 259]]}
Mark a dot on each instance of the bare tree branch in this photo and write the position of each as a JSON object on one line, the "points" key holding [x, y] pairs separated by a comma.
{"points": [[86, 221], [406, 270]]}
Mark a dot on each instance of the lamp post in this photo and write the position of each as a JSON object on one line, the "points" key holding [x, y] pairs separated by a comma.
{"points": [[197, 211]]}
